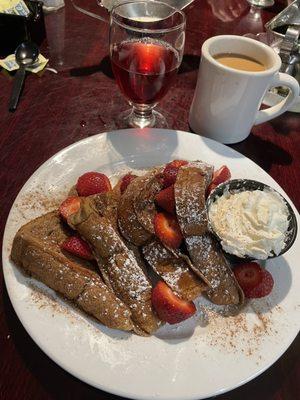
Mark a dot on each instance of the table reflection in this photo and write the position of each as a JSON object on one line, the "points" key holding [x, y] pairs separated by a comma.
{"points": [[228, 10]]}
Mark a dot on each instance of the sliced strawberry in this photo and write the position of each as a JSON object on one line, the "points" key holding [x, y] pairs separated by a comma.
{"points": [[92, 183], [166, 199], [126, 180], [263, 288], [171, 170], [223, 174], [167, 230], [248, 275], [168, 306], [77, 246], [177, 163], [210, 188], [70, 206], [254, 280]]}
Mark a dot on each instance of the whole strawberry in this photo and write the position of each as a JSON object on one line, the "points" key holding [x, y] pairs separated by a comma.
{"points": [[92, 183]]}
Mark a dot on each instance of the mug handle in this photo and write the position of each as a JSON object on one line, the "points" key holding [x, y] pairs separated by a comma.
{"points": [[279, 79]]}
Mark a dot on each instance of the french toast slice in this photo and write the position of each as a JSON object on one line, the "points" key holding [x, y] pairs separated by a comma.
{"points": [[117, 263], [143, 201], [136, 209], [208, 260], [189, 192], [36, 250], [173, 270], [107, 204]]}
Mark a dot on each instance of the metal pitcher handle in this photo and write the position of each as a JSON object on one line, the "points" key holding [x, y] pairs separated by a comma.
{"points": [[91, 14]]}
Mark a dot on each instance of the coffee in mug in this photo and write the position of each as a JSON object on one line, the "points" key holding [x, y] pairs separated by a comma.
{"points": [[239, 61], [227, 98]]}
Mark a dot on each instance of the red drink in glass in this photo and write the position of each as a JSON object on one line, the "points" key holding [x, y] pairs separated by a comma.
{"points": [[144, 69]]}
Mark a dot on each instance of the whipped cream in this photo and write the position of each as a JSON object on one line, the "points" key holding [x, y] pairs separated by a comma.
{"points": [[250, 223]]}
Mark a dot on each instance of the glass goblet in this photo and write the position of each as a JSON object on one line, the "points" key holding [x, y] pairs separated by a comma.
{"points": [[146, 48]]}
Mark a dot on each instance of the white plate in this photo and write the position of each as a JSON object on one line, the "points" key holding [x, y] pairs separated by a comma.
{"points": [[194, 360]]}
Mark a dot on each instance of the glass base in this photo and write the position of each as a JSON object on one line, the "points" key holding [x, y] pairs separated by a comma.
{"points": [[261, 3], [128, 119]]}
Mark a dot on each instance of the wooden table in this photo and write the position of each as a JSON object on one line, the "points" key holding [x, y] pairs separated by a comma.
{"points": [[81, 100]]}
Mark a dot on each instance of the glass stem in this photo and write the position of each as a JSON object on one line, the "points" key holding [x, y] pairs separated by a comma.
{"points": [[142, 116]]}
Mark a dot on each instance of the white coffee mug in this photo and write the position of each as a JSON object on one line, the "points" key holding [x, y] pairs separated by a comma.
{"points": [[226, 100]]}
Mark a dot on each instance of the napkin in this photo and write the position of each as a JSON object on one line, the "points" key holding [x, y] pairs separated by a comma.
{"points": [[9, 63], [14, 7]]}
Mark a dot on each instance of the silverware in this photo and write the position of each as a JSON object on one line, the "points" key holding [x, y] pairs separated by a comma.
{"points": [[26, 55]]}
